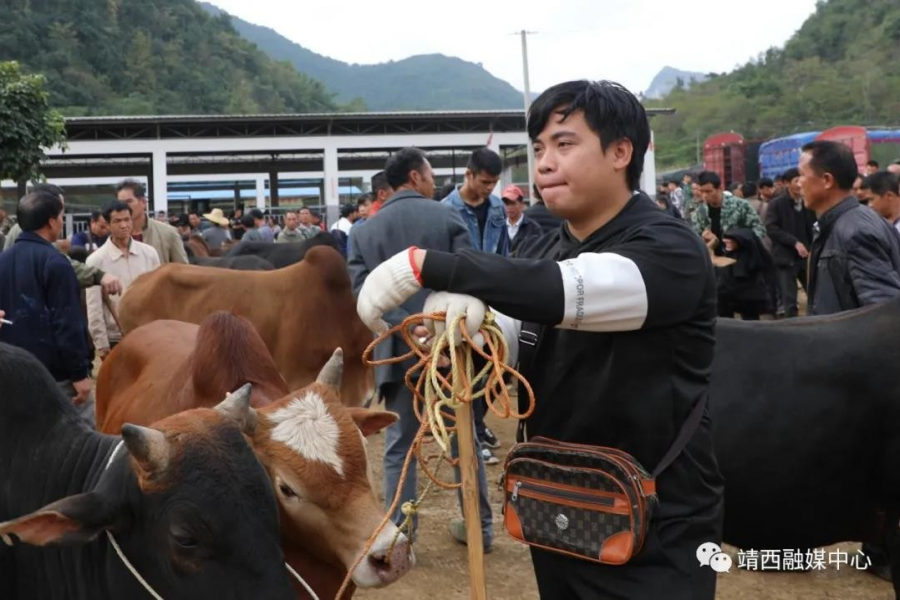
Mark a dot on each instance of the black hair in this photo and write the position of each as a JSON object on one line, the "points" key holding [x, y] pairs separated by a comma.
{"points": [[37, 208], [749, 189], [115, 206], [711, 178], [302, 208], [792, 174], [95, 216], [347, 210], [363, 199], [834, 158], [47, 187], [137, 188], [883, 182], [610, 110], [485, 160], [865, 184], [765, 182], [78, 253], [380, 182], [401, 163], [256, 214], [779, 178], [248, 220], [872, 163], [734, 185]]}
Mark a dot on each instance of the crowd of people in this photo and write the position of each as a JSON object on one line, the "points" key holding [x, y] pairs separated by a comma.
{"points": [[768, 227], [619, 303]]}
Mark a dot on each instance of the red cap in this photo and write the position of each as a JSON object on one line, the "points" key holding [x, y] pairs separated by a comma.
{"points": [[512, 192]]}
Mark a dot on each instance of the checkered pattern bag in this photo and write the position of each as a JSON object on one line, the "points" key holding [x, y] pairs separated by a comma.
{"points": [[589, 502]]}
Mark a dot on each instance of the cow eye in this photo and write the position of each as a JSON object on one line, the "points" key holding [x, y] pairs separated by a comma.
{"points": [[184, 539], [286, 491]]}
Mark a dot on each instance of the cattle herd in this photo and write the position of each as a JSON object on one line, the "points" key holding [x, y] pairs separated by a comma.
{"points": [[230, 440]]}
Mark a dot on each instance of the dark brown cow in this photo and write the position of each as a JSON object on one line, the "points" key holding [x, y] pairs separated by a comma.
{"points": [[310, 444], [303, 312]]}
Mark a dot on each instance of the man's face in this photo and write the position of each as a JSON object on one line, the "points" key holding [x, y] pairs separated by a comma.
{"points": [[481, 184], [870, 169], [291, 220], [58, 224], [813, 186], [572, 172], [423, 181], [137, 205], [514, 208], [695, 190], [194, 220], [161, 217], [865, 196], [120, 225], [305, 216], [99, 228], [672, 186], [766, 193], [779, 185], [857, 186], [885, 204], [711, 195], [364, 209], [794, 188]]}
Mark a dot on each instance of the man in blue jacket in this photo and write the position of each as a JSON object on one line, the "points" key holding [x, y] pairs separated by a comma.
{"points": [[485, 217], [41, 297]]}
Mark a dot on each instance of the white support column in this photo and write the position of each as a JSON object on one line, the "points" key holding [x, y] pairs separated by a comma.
{"points": [[332, 191], [261, 192], [160, 182], [648, 178], [495, 146]]}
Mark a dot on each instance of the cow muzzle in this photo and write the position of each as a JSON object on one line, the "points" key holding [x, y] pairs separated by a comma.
{"points": [[387, 561]]}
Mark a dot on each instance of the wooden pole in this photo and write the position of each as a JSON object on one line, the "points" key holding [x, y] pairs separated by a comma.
{"points": [[468, 466]]}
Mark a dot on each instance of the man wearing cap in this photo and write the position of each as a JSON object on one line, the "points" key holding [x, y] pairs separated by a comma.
{"points": [[518, 226], [219, 233]]}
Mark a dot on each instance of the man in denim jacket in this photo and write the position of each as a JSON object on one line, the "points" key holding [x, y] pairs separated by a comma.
{"points": [[481, 211]]}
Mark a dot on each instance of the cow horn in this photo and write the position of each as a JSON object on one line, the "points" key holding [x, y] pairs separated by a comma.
{"points": [[149, 447], [236, 406], [333, 371]]}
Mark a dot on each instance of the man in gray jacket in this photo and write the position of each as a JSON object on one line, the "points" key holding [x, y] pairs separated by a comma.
{"points": [[408, 218], [855, 253]]}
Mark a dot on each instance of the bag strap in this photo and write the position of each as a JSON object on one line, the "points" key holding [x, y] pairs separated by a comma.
{"points": [[684, 436], [528, 340]]}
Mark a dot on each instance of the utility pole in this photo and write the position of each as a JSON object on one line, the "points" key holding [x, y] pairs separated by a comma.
{"points": [[527, 93]]}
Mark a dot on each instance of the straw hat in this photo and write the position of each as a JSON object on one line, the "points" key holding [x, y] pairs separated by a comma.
{"points": [[217, 216]]}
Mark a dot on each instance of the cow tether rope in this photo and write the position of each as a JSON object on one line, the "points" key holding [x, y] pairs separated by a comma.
{"points": [[141, 580], [435, 391]]}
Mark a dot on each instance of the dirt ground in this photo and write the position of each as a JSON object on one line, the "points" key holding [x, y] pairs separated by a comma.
{"points": [[442, 571]]}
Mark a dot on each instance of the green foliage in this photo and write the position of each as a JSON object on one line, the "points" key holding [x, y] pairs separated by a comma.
{"points": [[841, 68], [142, 57], [28, 125], [426, 82]]}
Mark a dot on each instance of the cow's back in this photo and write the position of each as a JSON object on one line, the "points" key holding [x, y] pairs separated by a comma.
{"points": [[799, 409]]}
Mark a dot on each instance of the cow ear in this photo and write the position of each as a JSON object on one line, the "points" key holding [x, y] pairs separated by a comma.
{"points": [[71, 521], [371, 421]]}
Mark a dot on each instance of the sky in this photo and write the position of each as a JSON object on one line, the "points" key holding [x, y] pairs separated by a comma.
{"points": [[628, 41]]}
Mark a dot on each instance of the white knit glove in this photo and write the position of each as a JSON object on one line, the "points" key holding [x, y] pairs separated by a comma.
{"points": [[391, 284], [455, 305]]}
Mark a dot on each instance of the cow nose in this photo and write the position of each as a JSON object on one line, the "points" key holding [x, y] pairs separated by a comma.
{"points": [[391, 563]]}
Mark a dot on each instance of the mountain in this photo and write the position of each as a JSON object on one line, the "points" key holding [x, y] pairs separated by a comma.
{"points": [[424, 82], [140, 57], [842, 67], [668, 78]]}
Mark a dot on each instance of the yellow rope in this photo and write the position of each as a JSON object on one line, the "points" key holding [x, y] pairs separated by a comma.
{"points": [[434, 392]]}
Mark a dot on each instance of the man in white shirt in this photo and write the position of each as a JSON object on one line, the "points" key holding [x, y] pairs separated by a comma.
{"points": [[349, 214], [127, 259]]}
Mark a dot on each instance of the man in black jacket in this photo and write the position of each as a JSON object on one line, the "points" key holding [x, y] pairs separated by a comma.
{"points": [[855, 253], [790, 227], [623, 300]]}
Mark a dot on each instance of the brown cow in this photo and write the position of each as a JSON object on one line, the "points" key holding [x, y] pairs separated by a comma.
{"points": [[303, 312], [311, 445]]}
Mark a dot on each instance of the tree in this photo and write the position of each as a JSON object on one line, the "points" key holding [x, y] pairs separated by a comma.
{"points": [[28, 125]]}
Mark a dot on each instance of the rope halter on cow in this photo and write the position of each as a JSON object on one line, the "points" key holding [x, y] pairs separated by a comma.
{"points": [[434, 391], [131, 568]]}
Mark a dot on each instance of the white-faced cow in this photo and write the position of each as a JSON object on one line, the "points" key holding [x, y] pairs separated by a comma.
{"points": [[303, 312], [187, 501], [806, 424], [311, 445]]}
